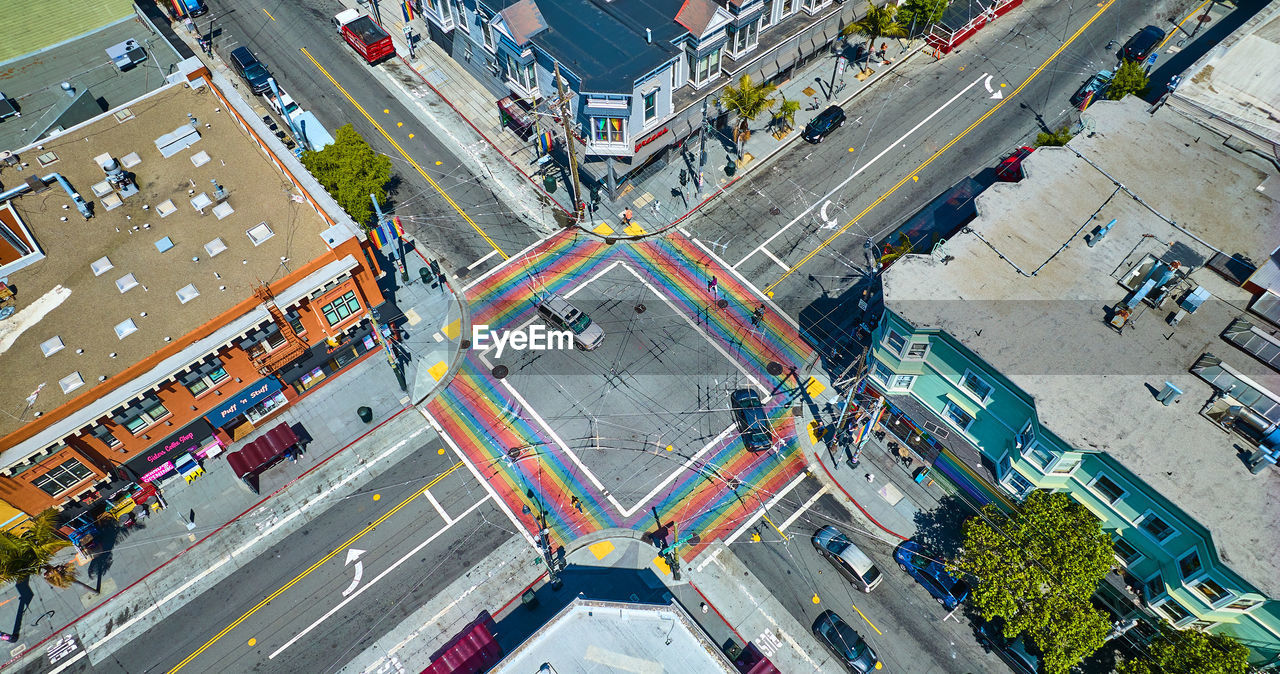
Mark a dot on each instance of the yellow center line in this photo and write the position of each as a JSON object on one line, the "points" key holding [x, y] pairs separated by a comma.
{"points": [[313, 567], [1168, 37], [937, 154], [264, 11], [775, 527], [864, 617], [404, 154]]}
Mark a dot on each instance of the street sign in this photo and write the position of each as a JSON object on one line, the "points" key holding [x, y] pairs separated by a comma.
{"points": [[1151, 60]]}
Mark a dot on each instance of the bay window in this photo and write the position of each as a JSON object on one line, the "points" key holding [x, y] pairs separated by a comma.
{"points": [[608, 130]]}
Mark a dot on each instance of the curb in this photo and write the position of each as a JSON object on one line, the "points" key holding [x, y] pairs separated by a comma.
{"points": [[854, 501], [464, 328]]}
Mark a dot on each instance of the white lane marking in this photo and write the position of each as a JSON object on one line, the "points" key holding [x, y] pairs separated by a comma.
{"points": [[353, 555], [807, 504], [865, 166], [266, 532], [775, 259], [742, 279], [409, 555], [479, 478], [439, 509], [759, 513], [482, 260]]}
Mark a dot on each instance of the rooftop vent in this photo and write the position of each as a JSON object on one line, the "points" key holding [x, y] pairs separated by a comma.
{"points": [[51, 346], [101, 266], [124, 283], [187, 293], [214, 247], [71, 382], [164, 244], [260, 233], [126, 328]]}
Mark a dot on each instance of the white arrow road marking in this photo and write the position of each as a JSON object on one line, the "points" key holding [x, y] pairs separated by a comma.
{"points": [[830, 221], [994, 94], [353, 555]]}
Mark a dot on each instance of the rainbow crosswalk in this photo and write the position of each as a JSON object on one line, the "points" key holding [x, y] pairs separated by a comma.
{"points": [[517, 455]]}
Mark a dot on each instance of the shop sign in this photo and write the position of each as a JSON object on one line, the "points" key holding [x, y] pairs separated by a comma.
{"points": [[157, 461], [652, 137], [242, 401]]}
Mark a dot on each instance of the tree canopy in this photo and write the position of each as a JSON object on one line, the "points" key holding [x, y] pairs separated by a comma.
{"points": [[1055, 139], [747, 100], [32, 552], [1036, 569], [1189, 652], [350, 170], [1130, 78], [878, 22], [917, 15]]}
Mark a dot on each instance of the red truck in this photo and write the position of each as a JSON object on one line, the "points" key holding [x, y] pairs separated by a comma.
{"points": [[365, 36]]}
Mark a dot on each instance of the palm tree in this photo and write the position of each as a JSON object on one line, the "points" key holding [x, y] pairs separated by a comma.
{"points": [[32, 552], [879, 22], [747, 101], [785, 115]]}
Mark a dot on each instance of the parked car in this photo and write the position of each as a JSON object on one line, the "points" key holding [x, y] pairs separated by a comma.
{"points": [[851, 562], [286, 106], [845, 643], [947, 589], [557, 311], [251, 69], [1022, 657], [753, 423], [1010, 169], [827, 121], [1097, 85], [1142, 43]]}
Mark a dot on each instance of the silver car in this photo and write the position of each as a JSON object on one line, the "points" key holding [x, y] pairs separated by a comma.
{"points": [[557, 311], [851, 562]]}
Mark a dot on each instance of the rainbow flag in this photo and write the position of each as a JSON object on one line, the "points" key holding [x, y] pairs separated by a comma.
{"points": [[408, 10], [397, 227], [375, 233], [1088, 98]]}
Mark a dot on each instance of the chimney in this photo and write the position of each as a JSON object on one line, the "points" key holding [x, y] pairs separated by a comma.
{"points": [[648, 36]]}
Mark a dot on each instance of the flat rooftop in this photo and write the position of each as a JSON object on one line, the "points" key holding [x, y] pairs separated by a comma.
{"points": [[32, 82], [1047, 332], [44, 24], [597, 636], [157, 236]]}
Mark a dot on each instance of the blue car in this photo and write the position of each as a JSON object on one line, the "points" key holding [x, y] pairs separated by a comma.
{"points": [[933, 575]]}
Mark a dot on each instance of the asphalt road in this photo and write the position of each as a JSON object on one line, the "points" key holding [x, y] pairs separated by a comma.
{"points": [[278, 31], [881, 167], [323, 617]]}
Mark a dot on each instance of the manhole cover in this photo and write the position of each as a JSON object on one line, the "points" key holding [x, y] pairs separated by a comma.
{"points": [[772, 368], [640, 308], [464, 344], [775, 211], [500, 371], [722, 303]]}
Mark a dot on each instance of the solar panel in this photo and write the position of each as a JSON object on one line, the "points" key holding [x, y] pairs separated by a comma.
{"points": [[1257, 343], [1267, 306]]}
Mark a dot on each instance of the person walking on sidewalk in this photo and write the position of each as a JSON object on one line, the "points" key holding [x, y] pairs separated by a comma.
{"points": [[626, 217]]}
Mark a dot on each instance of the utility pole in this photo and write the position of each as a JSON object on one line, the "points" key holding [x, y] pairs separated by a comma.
{"points": [[838, 68], [544, 542], [563, 105], [702, 147]]}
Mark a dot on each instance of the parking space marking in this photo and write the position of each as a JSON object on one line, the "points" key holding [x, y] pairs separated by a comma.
{"points": [[439, 509], [407, 556], [855, 174], [807, 504], [773, 257]]}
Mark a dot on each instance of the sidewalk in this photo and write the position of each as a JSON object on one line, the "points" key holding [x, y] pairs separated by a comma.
{"points": [[215, 524], [658, 200]]}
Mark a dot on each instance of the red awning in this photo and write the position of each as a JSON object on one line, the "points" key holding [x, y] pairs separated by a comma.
{"points": [[240, 464], [280, 438], [471, 652]]}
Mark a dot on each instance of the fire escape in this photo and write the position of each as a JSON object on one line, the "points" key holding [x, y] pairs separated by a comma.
{"points": [[294, 345]]}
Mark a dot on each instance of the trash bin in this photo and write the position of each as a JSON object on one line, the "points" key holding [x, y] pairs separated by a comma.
{"points": [[922, 475], [529, 599], [365, 413], [732, 649], [549, 183], [426, 275]]}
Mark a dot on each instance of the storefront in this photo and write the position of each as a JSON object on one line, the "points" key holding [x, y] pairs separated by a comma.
{"points": [[195, 441], [239, 415], [325, 359]]}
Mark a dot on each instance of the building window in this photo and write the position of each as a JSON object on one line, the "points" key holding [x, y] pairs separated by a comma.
{"points": [[296, 324], [703, 68], [813, 4], [145, 418], [1127, 554], [487, 31], [917, 351], [1156, 527], [1243, 604], [62, 478], [206, 382], [105, 435], [766, 19], [1202, 625], [1189, 565], [1173, 611], [608, 130], [1108, 490], [881, 372], [788, 6], [338, 310], [746, 38], [902, 381], [650, 105], [957, 416], [894, 342], [1016, 484], [1038, 455], [1067, 464], [1154, 587], [1212, 591], [975, 385], [521, 73]]}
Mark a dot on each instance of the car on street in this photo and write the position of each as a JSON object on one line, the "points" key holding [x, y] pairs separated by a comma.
{"points": [[845, 643], [1010, 169], [557, 311], [827, 121], [1141, 43], [944, 586], [251, 69], [1021, 656], [285, 106], [752, 422], [851, 562], [1097, 85]]}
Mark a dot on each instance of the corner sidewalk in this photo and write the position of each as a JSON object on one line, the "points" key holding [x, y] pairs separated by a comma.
{"points": [[215, 525], [658, 200]]}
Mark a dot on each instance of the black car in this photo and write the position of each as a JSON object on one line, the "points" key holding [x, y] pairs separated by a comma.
{"points": [[827, 121], [1022, 657], [1142, 43], [846, 644], [251, 69], [753, 423]]}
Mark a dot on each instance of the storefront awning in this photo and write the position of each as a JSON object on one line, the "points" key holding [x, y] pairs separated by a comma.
{"points": [[246, 398], [256, 455], [157, 461]]}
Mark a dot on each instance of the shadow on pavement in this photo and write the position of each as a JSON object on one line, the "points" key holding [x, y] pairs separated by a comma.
{"points": [[942, 529]]}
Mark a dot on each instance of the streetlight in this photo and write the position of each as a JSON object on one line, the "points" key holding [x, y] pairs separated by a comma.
{"points": [[544, 541], [838, 68]]}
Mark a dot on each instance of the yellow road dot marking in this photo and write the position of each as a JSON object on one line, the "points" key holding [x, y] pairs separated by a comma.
{"points": [[399, 123], [386, 111], [815, 599], [755, 537], [915, 179], [851, 149], [410, 136], [440, 451], [1002, 85], [670, 448], [377, 497], [253, 641], [439, 163]]}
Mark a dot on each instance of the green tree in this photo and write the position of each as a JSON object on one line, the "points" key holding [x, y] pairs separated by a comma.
{"points": [[917, 15], [1055, 139], [747, 100], [1037, 569], [1130, 78], [350, 171], [879, 22], [32, 552], [1189, 652], [785, 116]]}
